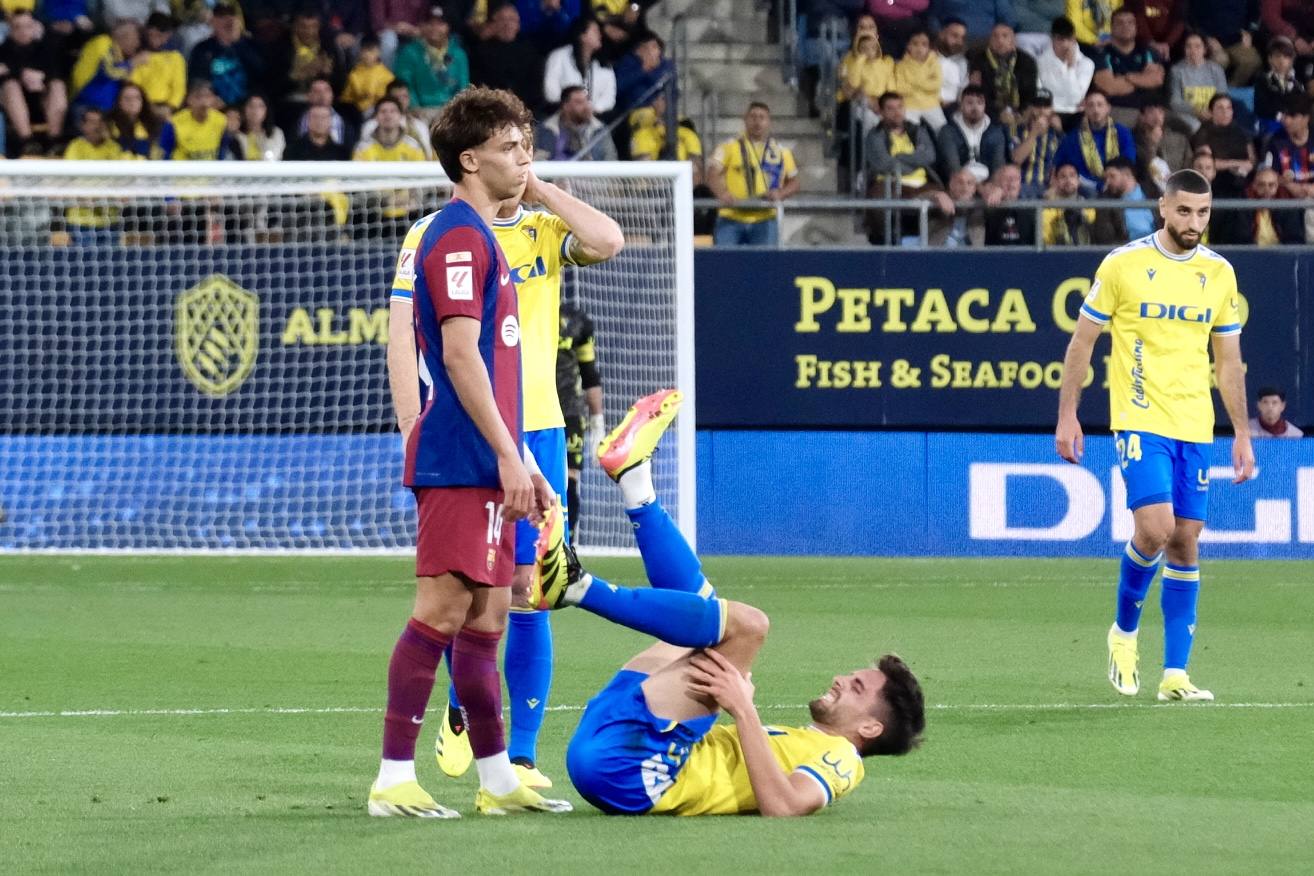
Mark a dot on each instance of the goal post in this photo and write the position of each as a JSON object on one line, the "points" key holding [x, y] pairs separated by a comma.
{"points": [[193, 354]]}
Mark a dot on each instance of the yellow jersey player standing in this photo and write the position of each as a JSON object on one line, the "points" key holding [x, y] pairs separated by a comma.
{"points": [[537, 243], [1165, 298], [646, 742]]}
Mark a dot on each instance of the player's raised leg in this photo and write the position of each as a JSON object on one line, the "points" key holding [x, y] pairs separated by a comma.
{"points": [[626, 454]]}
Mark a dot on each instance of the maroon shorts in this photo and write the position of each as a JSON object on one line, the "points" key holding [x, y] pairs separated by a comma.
{"points": [[461, 531]]}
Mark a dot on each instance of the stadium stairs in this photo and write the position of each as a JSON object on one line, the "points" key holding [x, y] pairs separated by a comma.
{"points": [[730, 58]]}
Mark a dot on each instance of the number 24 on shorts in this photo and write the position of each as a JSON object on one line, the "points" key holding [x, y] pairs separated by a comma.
{"points": [[1129, 450]]}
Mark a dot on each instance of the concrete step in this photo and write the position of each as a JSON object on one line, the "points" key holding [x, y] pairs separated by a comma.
{"points": [[746, 77], [783, 126], [671, 9], [706, 29], [701, 53]]}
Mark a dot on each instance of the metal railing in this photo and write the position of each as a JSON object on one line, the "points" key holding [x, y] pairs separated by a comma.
{"points": [[860, 208], [790, 49]]}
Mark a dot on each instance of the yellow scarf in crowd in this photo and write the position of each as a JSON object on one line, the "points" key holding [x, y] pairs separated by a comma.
{"points": [[1091, 155]]}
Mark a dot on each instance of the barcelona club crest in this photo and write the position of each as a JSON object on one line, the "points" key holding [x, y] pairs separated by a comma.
{"points": [[217, 334]]}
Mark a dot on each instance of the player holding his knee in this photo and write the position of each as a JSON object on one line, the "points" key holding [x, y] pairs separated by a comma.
{"points": [[1166, 297], [646, 742], [454, 307]]}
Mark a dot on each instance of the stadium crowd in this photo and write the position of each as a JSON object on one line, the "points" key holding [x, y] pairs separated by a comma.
{"points": [[320, 81], [983, 105]]}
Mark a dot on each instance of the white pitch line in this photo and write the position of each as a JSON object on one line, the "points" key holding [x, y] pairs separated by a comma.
{"points": [[372, 710]]}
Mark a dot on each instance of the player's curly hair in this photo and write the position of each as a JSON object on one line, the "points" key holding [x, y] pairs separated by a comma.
{"points": [[903, 711], [469, 119]]}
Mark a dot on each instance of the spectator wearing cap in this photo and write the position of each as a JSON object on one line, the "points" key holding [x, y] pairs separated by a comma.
{"points": [[1033, 143], [506, 59], [918, 74], [1289, 152], [1161, 23], [1064, 72], [228, 60], [1277, 82], [1094, 142], [1232, 148], [1290, 19], [1127, 71], [1224, 24], [32, 88], [978, 17], [162, 74], [1007, 75], [106, 61], [573, 132], [1270, 420], [1194, 82], [394, 21], [434, 67], [581, 63], [548, 23]]}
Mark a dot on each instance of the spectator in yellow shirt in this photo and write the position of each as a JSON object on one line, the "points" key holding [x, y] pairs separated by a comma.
{"points": [[90, 224], [200, 129], [753, 166], [648, 137], [1093, 20], [866, 77], [106, 61], [918, 74], [368, 81], [388, 215], [161, 72]]}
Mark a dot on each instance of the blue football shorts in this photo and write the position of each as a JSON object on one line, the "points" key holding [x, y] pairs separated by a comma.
{"points": [[549, 449], [622, 757], [1158, 469]]}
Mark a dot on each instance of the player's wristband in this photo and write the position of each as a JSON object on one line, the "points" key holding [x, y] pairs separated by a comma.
{"points": [[597, 426]]}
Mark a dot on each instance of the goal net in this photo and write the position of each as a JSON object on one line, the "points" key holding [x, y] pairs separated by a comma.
{"points": [[193, 356]]}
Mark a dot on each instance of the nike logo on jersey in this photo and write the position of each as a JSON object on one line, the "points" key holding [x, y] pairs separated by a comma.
{"points": [[1140, 602], [1190, 628], [506, 278], [419, 720]]}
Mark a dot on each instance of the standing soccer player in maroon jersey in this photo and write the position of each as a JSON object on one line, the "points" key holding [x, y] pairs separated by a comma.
{"points": [[461, 425]]}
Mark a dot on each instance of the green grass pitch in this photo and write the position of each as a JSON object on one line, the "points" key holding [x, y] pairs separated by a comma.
{"points": [[1032, 763]]}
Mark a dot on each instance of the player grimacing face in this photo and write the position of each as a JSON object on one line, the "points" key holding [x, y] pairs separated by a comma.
{"points": [[851, 702], [1185, 217], [501, 163]]}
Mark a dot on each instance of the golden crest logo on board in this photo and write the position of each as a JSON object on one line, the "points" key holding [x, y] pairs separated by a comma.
{"points": [[217, 334]]}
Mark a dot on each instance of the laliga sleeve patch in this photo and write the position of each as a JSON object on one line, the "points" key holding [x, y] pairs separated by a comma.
{"points": [[460, 283], [406, 265]]}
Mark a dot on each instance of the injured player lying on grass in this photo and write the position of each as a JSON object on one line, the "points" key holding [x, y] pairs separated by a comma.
{"points": [[647, 742]]}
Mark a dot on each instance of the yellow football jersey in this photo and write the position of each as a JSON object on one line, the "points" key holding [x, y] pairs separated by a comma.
{"points": [[1161, 310], [714, 778], [537, 244]]}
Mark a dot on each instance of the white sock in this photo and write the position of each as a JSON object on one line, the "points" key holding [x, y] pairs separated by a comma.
{"points": [[1173, 673], [496, 775], [1119, 631], [394, 772], [636, 486], [575, 592]]}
